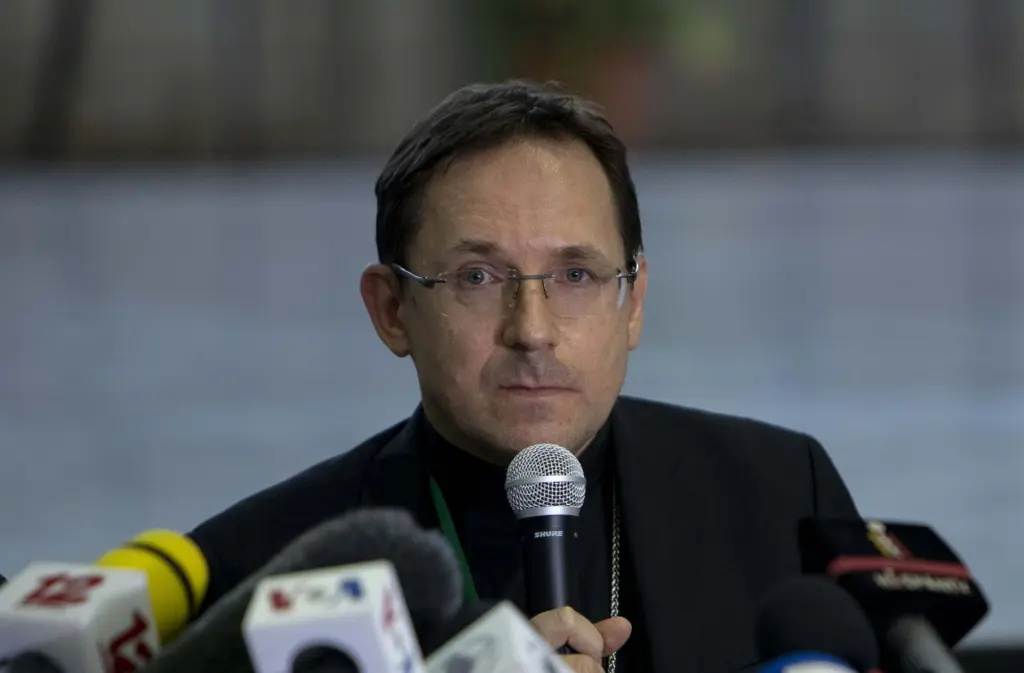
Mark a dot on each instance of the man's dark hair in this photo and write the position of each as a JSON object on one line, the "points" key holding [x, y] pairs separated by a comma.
{"points": [[479, 117]]}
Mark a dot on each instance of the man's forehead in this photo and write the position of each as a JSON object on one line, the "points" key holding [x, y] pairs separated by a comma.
{"points": [[436, 242], [481, 206]]}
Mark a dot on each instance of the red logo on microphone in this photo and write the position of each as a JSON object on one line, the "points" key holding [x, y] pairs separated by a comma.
{"points": [[388, 610], [128, 652], [60, 591], [280, 601]]}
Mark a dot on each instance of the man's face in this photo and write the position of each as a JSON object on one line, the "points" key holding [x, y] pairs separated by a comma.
{"points": [[500, 370]]}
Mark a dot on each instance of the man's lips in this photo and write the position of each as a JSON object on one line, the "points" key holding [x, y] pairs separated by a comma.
{"points": [[528, 389]]}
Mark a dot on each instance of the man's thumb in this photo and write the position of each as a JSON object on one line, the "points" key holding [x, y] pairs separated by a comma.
{"points": [[615, 631]]}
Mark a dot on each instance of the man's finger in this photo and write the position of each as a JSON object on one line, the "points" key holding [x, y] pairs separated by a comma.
{"points": [[565, 626], [581, 663], [615, 632]]}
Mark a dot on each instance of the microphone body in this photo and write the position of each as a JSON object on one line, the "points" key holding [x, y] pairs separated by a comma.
{"points": [[920, 597], [501, 641], [320, 618], [919, 648], [549, 555], [546, 488]]}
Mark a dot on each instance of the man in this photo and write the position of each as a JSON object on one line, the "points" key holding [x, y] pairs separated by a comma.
{"points": [[512, 273]]}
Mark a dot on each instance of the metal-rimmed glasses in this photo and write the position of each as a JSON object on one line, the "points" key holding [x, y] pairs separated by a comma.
{"points": [[571, 290]]}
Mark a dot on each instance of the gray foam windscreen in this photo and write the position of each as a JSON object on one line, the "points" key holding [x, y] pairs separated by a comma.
{"points": [[424, 562]]}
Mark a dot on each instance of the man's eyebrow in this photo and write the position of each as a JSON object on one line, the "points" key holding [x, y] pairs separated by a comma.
{"points": [[477, 246], [581, 253]]}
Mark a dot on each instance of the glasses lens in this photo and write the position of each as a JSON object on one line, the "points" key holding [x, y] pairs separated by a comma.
{"points": [[575, 300], [569, 293]]}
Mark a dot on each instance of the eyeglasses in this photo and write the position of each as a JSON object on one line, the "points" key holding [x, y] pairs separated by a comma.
{"points": [[571, 291]]}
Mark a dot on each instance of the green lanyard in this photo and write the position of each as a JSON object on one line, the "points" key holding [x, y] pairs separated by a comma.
{"points": [[444, 516]]}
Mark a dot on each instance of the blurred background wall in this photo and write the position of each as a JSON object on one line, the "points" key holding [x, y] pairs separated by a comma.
{"points": [[264, 78], [833, 201]]}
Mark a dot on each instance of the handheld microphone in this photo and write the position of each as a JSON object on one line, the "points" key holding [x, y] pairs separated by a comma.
{"points": [[322, 618], [546, 487], [425, 564], [809, 625], [112, 615], [918, 594], [500, 641]]}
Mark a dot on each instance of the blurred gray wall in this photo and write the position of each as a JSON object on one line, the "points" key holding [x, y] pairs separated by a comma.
{"points": [[173, 340]]}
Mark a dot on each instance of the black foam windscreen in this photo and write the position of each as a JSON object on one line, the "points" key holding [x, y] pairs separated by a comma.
{"points": [[424, 562], [811, 614]]}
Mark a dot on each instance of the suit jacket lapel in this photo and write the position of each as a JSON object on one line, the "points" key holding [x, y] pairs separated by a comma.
{"points": [[397, 476], [667, 514]]}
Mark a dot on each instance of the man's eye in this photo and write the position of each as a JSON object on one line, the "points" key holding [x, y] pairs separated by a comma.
{"points": [[576, 275], [475, 276]]}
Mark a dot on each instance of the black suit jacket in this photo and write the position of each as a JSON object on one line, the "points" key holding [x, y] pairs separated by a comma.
{"points": [[710, 505]]}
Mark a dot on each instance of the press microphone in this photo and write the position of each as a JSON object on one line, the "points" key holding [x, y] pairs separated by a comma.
{"points": [[467, 613], [546, 487], [321, 619], [177, 576], [920, 597], [809, 625], [500, 641], [425, 565], [112, 615]]}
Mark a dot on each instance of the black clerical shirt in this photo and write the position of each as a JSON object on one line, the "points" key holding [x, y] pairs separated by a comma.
{"points": [[475, 493]]}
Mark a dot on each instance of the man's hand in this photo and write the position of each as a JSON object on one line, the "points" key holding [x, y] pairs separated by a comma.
{"points": [[592, 642]]}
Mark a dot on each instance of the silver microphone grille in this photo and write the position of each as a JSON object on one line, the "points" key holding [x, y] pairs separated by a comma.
{"points": [[545, 479]]}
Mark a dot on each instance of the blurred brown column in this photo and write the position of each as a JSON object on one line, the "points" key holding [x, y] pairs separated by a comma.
{"points": [[238, 60], [802, 118], [64, 47], [994, 39]]}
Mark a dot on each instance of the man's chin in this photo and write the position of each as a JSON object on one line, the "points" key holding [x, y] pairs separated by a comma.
{"points": [[515, 438]]}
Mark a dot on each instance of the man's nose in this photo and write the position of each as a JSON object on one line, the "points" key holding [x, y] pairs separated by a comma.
{"points": [[529, 323]]}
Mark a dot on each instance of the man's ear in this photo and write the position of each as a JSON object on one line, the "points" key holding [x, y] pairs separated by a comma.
{"points": [[637, 295], [382, 296]]}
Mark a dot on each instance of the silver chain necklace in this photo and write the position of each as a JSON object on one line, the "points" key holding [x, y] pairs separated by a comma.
{"points": [[613, 607]]}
